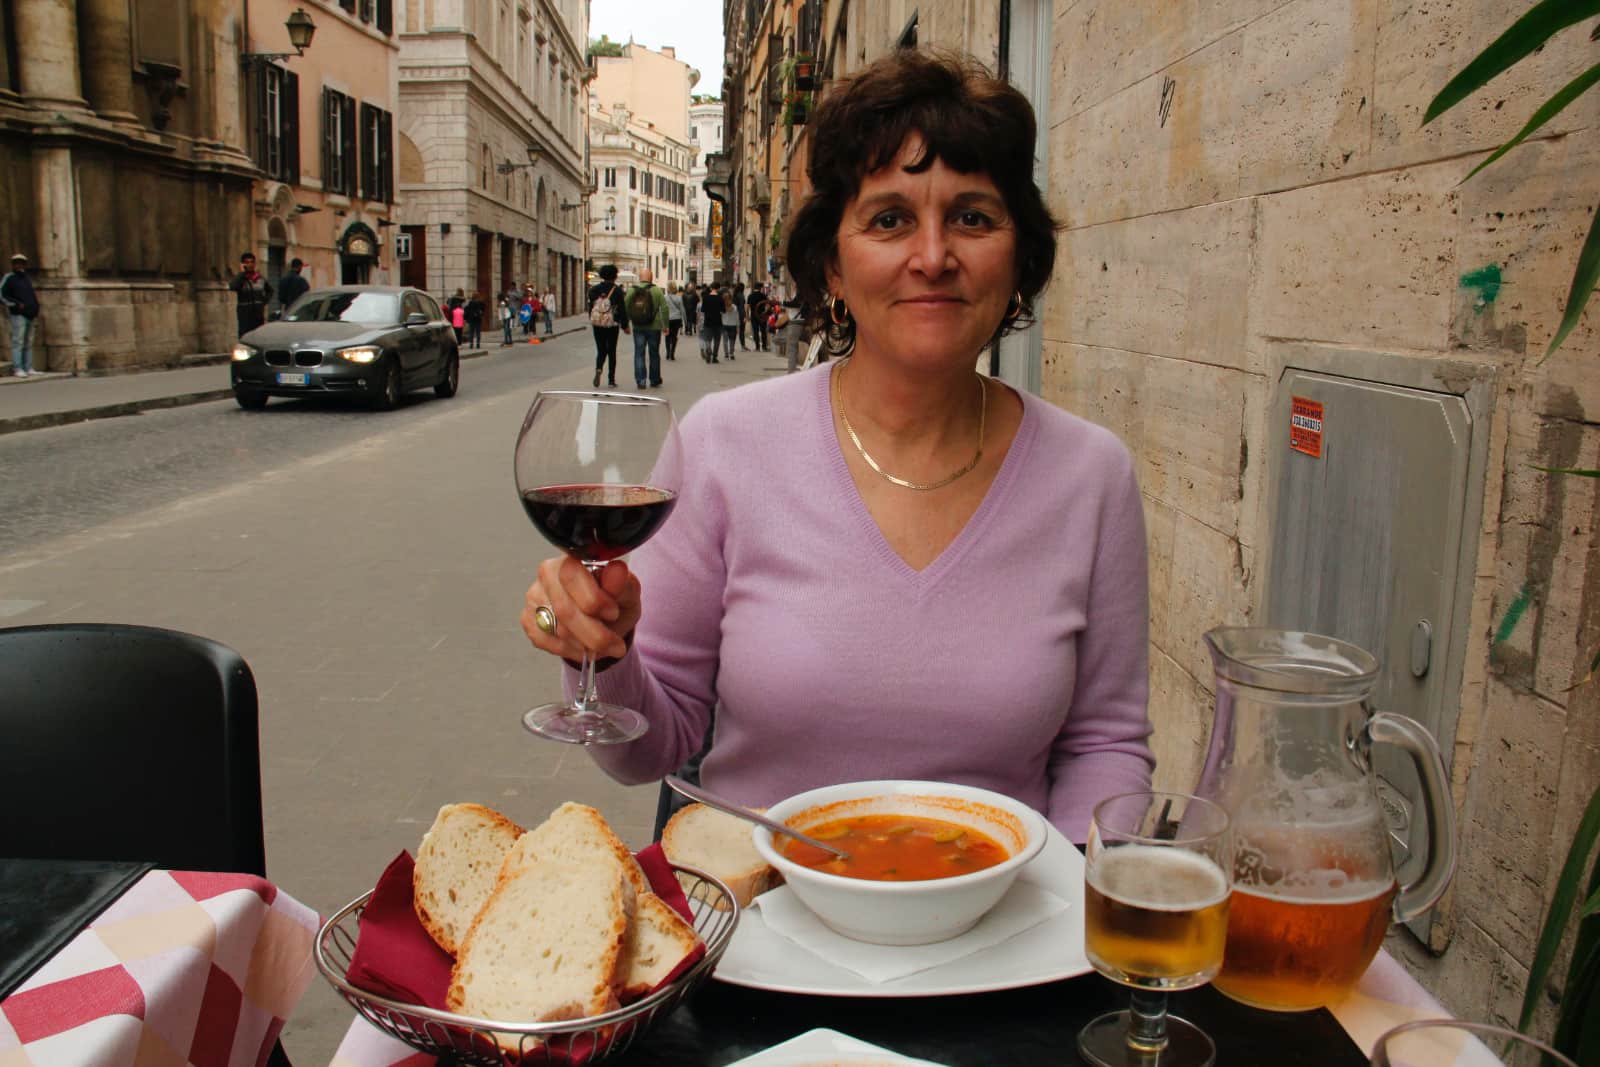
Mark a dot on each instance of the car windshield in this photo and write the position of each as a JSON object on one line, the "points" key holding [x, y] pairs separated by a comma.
{"points": [[365, 309]]}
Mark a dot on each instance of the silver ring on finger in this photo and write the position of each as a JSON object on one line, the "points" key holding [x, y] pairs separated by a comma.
{"points": [[545, 619]]}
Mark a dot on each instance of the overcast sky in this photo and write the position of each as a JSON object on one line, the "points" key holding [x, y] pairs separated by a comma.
{"points": [[692, 27]]}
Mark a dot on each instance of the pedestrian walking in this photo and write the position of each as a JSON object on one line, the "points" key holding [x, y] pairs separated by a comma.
{"points": [[785, 325], [711, 330], [531, 307], [757, 301], [738, 302], [647, 315], [252, 294], [291, 286], [505, 318], [691, 310], [732, 320], [549, 302], [474, 317], [607, 317], [674, 319], [16, 289], [458, 321]]}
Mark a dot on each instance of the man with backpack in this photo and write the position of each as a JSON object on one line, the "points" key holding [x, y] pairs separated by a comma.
{"points": [[16, 288], [606, 316], [647, 315]]}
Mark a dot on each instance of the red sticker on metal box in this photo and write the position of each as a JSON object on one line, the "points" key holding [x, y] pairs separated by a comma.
{"points": [[1305, 426]]}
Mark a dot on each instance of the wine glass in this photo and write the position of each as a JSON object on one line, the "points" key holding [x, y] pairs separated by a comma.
{"points": [[1157, 873], [597, 474], [1454, 1043]]}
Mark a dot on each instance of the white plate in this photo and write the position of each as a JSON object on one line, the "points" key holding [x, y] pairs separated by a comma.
{"points": [[761, 959], [842, 1050]]}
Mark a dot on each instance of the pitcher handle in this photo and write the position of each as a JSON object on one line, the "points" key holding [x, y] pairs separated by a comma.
{"points": [[1386, 728]]}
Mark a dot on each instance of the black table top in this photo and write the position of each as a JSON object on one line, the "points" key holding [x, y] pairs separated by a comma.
{"points": [[1037, 1025], [44, 903]]}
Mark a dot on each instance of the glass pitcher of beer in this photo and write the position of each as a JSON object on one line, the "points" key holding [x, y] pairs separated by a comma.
{"points": [[1314, 886]]}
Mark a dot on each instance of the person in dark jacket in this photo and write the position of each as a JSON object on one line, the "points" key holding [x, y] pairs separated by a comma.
{"points": [[292, 286], [252, 292], [605, 334], [738, 302], [757, 302], [691, 307], [711, 308], [474, 315], [16, 289]]}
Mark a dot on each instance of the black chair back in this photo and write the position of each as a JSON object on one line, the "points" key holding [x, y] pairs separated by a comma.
{"points": [[128, 743]]}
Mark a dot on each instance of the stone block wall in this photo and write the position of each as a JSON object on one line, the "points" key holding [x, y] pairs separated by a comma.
{"points": [[1238, 175]]}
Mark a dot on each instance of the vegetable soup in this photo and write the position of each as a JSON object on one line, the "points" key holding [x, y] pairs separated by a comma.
{"points": [[897, 848]]}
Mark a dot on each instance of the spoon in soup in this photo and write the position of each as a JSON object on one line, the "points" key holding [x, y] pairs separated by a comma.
{"points": [[711, 800]]}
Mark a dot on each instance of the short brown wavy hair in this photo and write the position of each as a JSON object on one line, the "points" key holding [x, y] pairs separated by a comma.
{"points": [[973, 121]]}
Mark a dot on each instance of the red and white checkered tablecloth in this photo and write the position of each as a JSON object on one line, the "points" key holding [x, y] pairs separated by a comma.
{"points": [[183, 968]]}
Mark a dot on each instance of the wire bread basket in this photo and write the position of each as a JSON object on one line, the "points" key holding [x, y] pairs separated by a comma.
{"points": [[466, 1040]]}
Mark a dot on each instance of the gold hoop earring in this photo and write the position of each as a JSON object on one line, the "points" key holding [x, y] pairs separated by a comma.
{"points": [[1013, 311], [834, 313]]}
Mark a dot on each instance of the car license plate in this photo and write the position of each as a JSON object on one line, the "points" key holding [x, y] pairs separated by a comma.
{"points": [[293, 379]]}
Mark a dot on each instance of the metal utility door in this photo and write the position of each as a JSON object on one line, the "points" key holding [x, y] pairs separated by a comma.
{"points": [[1370, 484]]}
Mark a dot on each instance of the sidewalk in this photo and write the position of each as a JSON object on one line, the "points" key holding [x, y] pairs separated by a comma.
{"points": [[46, 399]]}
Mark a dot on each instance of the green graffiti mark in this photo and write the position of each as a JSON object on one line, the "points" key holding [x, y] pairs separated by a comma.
{"points": [[1486, 280], [1513, 614]]}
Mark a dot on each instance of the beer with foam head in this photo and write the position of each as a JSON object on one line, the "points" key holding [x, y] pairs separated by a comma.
{"points": [[1294, 950], [1155, 917]]}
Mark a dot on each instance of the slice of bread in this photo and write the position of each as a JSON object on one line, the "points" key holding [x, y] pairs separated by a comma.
{"points": [[458, 864], [572, 832], [658, 940], [547, 945], [719, 844]]}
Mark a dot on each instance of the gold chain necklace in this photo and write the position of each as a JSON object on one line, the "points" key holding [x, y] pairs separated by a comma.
{"points": [[921, 487]]}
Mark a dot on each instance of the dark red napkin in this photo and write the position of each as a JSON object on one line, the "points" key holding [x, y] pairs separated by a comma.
{"points": [[396, 958]]}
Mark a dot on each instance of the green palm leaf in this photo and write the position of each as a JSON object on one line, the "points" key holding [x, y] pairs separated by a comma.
{"points": [[1561, 904], [1552, 107], [1533, 29], [1583, 283]]}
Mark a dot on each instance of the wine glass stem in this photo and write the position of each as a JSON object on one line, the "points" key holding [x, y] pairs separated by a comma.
{"points": [[587, 700], [1147, 1020]]}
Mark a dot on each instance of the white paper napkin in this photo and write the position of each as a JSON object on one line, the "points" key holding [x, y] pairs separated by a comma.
{"points": [[1025, 905]]}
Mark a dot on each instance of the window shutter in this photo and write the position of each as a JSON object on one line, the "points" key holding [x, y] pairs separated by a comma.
{"points": [[385, 16], [348, 5], [386, 154], [290, 124], [330, 144], [364, 147], [347, 150]]}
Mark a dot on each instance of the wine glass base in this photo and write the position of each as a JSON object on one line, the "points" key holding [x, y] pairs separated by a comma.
{"points": [[607, 724], [1104, 1043]]}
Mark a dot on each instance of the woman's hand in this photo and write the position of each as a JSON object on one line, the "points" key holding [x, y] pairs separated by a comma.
{"points": [[597, 616]]}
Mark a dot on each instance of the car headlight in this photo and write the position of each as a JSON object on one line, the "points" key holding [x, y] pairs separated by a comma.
{"points": [[360, 353], [242, 352]]}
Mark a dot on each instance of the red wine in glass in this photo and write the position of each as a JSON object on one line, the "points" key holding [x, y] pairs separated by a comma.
{"points": [[598, 522], [597, 474]]}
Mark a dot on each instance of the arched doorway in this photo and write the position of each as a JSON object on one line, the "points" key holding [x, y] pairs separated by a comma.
{"points": [[358, 251]]}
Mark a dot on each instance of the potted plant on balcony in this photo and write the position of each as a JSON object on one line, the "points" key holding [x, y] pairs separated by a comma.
{"points": [[805, 71]]}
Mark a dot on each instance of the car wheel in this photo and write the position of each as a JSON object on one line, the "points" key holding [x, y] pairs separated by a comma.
{"points": [[387, 398], [249, 399], [450, 380]]}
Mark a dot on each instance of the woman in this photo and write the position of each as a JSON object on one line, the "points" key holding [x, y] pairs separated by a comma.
{"points": [[732, 319], [691, 305], [711, 330], [674, 318], [890, 566], [505, 318], [607, 317]]}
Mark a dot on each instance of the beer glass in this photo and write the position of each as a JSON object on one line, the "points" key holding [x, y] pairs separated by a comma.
{"points": [[1453, 1043], [1156, 874], [1314, 887]]}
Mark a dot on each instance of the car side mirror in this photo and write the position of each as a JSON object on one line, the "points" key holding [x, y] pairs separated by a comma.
{"points": [[416, 318]]}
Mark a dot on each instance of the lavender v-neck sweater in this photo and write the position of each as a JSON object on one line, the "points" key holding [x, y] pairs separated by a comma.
{"points": [[1015, 661]]}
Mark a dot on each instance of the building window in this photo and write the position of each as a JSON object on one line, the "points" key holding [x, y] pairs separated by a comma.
{"points": [[368, 10], [385, 19], [611, 177], [484, 166], [275, 121], [633, 178], [338, 143], [377, 153]]}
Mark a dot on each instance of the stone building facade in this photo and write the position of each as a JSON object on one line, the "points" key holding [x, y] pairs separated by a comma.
{"points": [[123, 174], [1250, 200], [705, 215], [491, 145], [640, 157], [320, 128]]}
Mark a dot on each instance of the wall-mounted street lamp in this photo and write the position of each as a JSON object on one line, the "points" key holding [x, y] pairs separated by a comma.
{"points": [[534, 152], [611, 219], [301, 30]]}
